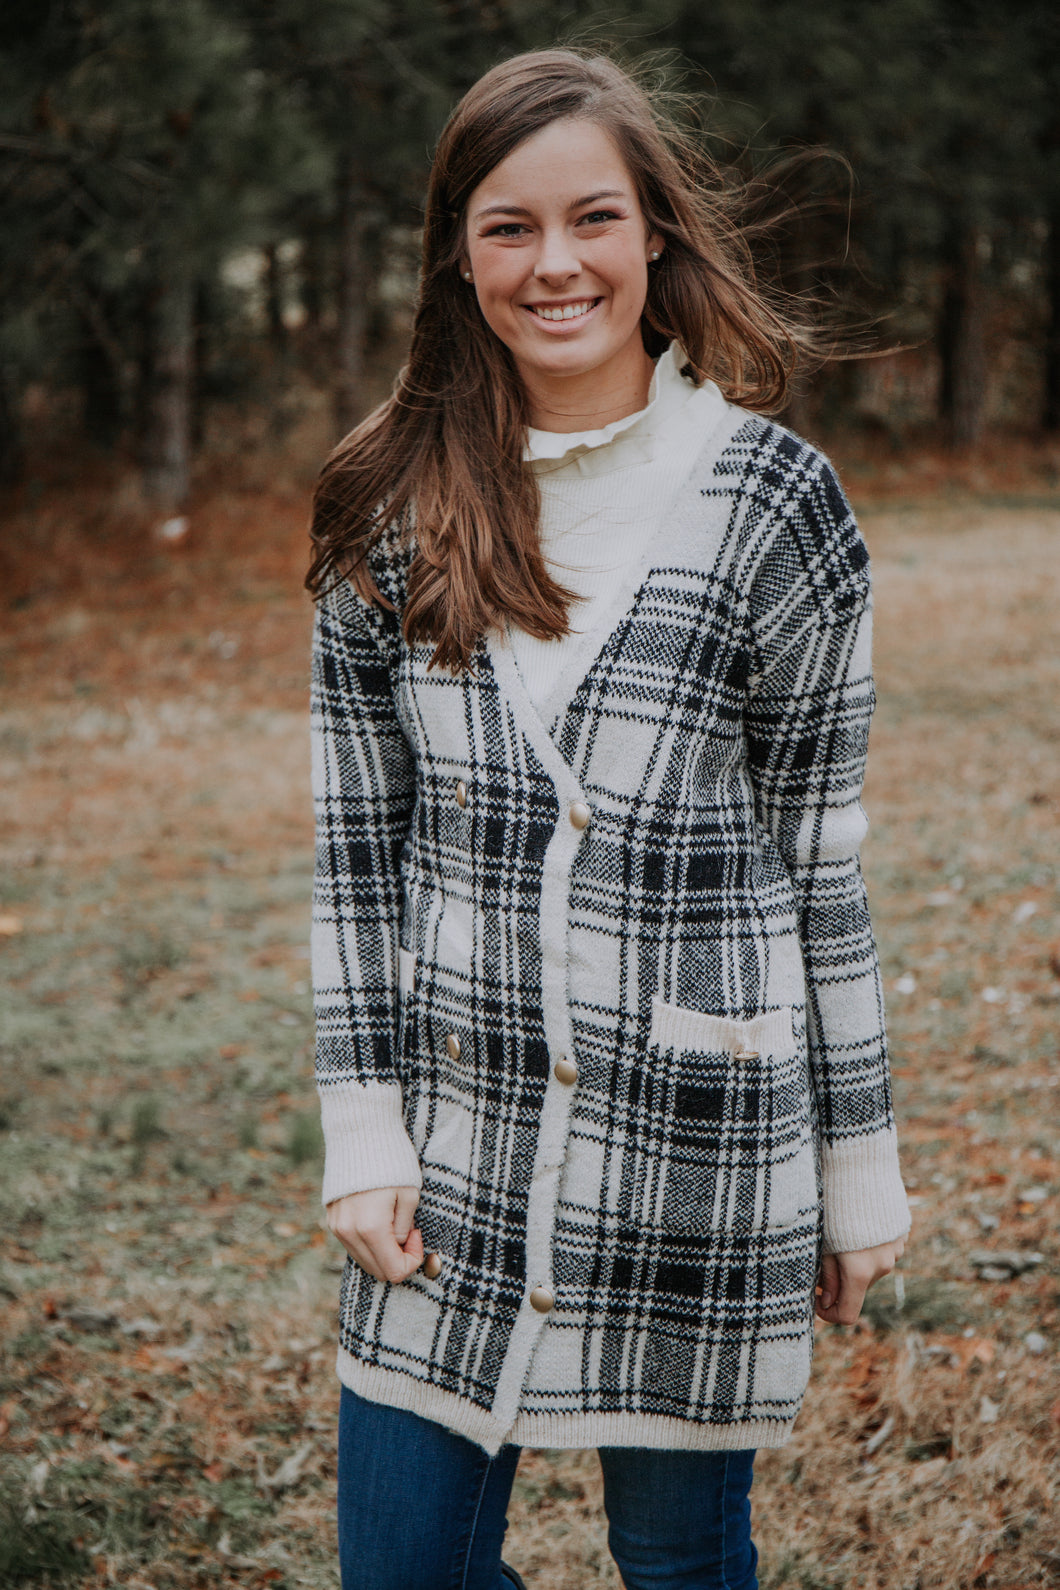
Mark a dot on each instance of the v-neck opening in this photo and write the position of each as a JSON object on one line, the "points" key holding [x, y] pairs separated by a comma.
{"points": [[593, 642]]}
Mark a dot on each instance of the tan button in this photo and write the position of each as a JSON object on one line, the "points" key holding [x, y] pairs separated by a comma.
{"points": [[432, 1266], [461, 792], [746, 1054], [580, 814], [541, 1299], [452, 1046], [565, 1070]]}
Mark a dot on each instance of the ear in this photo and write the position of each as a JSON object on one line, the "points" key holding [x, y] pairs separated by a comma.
{"points": [[465, 269], [655, 247]]}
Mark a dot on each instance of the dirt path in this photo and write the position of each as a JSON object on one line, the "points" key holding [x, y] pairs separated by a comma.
{"points": [[166, 1396]]}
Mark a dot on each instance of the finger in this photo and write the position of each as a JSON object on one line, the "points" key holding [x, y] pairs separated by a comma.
{"points": [[852, 1288], [413, 1252], [406, 1200], [828, 1283]]}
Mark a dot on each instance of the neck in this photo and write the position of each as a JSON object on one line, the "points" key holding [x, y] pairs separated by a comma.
{"points": [[589, 401]]}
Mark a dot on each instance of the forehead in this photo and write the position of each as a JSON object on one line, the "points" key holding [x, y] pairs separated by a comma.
{"points": [[558, 163]]}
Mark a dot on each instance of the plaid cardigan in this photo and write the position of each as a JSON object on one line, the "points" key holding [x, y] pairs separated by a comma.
{"points": [[601, 980]]}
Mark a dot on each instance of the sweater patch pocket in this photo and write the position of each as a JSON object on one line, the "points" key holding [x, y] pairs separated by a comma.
{"points": [[731, 1146]]}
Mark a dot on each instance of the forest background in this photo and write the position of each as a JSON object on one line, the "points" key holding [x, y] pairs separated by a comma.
{"points": [[210, 202], [209, 215]]}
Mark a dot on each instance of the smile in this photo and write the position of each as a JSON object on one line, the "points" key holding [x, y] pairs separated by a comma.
{"points": [[563, 311]]}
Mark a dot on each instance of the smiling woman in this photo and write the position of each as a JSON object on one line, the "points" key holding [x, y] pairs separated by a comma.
{"points": [[561, 274], [447, 449], [600, 1047]]}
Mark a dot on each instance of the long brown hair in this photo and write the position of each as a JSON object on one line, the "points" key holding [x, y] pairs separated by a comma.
{"points": [[443, 457]]}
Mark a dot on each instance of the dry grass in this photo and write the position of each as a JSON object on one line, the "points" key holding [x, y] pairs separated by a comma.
{"points": [[166, 1288]]}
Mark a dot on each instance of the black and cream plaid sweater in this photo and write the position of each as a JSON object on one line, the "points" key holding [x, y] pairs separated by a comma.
{"points": [[601, 980]]}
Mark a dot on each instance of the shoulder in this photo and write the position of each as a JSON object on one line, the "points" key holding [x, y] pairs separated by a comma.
{"points": [[343, 612], [799, 529]]}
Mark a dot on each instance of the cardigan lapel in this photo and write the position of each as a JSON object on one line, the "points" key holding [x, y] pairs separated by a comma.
{"points": [[590, 645]]}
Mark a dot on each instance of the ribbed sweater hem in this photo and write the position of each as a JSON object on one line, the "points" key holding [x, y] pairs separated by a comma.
{"points": [[578, 1431], [864, 1199], [367, 1144]]}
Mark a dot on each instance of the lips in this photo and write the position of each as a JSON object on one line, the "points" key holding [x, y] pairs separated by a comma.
{"points": [[560, 312]]}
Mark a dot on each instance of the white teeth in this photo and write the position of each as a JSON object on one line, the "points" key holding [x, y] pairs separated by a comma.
{"points": [[567, 312]]}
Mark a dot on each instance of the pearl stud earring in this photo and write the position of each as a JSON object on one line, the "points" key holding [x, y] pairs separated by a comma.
{"points": [[467, 276], [654, 253]]}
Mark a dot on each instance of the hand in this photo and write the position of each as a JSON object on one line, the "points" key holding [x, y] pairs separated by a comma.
{"points": [[377, 1232], [846, 1277]]}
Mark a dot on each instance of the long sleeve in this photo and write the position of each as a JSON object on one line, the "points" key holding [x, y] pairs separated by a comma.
{"points": [[364, 783], [810, 701]]}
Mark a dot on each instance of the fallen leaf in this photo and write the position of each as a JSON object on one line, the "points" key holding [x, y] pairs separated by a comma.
{"points": [[289, 1471], [95, 1320], [875, 1441], [232, 1559], [965, 1350]]}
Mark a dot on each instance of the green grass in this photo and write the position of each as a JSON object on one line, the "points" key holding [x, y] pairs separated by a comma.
{"points": [[928, 1305], [38, 1547], [305, 1142]]}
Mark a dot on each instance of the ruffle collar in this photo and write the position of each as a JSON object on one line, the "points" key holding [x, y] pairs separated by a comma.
{"points": [[667, 384]]}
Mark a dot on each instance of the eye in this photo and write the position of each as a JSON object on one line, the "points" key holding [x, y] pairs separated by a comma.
{"points": [[598, 217], [506, 229]]}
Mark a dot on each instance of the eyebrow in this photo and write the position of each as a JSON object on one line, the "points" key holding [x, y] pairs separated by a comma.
{"points": [[575, 204]]}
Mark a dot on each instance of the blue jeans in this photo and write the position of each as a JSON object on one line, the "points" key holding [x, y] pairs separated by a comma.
{"points": [[423, 1509]]}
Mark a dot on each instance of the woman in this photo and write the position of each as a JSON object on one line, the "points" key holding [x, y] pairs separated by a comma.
{"points": [[600, 1041]]}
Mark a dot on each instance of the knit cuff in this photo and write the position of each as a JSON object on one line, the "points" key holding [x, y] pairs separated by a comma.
{"points": [[366, 1144], [864, 1200]]}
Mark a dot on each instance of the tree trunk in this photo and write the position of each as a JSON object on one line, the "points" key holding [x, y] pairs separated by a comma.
{"points": [[352, 297], [312, 280], [801, 251], [167, 400], [962, 340], [101, 386], [1051, 406], [12, 457], [204, 318], [274, 300]]}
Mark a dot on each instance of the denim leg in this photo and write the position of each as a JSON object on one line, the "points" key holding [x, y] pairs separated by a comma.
{"points": [[419, 1507], [680, 1520]]}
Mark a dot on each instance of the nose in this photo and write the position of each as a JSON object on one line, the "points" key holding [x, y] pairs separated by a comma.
{"points": [[556, 260]]}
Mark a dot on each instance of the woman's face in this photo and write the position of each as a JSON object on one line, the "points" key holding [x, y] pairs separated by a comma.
{"points": [[558, 250]]}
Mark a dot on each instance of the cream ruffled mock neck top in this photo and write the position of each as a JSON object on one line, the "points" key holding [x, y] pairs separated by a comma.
{"points": [[603, 493]]}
